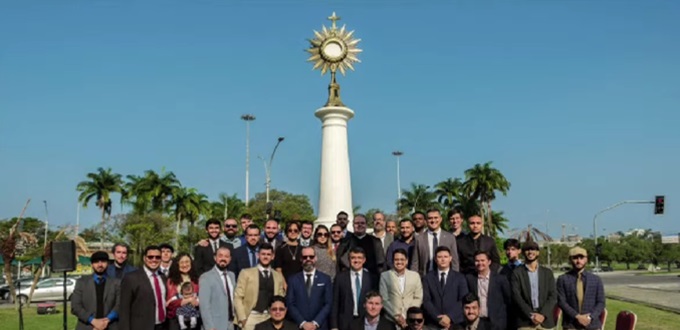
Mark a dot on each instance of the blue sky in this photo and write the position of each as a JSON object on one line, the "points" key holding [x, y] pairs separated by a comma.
{"points": [[576, 102]]}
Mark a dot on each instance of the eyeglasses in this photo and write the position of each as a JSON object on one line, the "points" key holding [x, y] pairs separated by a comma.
{"points": [[307, 257], [415, 321], [230, 226], [153, 257], [295, 231], [278, 309], [322, 235], [336, 232]]}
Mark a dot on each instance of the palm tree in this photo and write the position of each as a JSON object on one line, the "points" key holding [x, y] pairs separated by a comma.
{"points": [[187, 202], [228, 206], [151, 191], [499, 224], [530, 234], [100, 186], [449, 193], [481, 183], [420, 197]]}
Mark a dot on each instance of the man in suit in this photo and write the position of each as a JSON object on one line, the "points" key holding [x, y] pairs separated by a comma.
{"points": [[455, 217], [372, 321], [513, 249], [216, 293], [272, 233], [255, 288], [533, 291], [580, 294], [427, 243], [349, 291], [342, 220], [96, 297], [375, 255], [379, 231], [120, 266], [443, 292], [471, 311], [415, 318], [492, 289], [476, 241], [400, 288], [204, 255], [310, 295], [166, 258], [245, 221], [246, 255], [142, 295], [277, 316], [306, 231], [405, 241]]}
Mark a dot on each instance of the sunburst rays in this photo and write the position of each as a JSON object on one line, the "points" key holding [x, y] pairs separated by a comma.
{"points": [[333, 49]]}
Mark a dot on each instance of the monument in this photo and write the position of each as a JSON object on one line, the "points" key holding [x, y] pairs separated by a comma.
{"points": [[334, 50]]}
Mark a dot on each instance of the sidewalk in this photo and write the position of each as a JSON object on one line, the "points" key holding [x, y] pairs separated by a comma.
{"points": [[661, 296]]}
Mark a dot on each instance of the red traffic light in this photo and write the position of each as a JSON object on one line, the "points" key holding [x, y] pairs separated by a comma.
{"points": [[659, 204]]}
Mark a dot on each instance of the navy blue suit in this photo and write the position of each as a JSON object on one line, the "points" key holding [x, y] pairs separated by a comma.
{"points": [[593, 298], [446, 300], [111, 270], [240, 259], [316, 307]]}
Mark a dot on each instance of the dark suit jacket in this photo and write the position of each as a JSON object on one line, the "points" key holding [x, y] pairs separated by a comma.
{"points": [[343, 298], [383, 324], [84, 301], [111, 270], [593, 298], [498, 298], [137, 301], [446, 300], [521, 296], [268, 325], [316, 307], [467, 248], [482, 325], [204, 257], [421, 254], [240, 259], [375, 257]]}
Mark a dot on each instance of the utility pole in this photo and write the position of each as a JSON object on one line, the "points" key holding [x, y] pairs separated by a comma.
{"points": [[247, 118], [398, 154], [268, 168]]}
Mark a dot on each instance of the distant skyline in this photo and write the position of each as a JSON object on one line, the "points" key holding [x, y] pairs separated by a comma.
{"points": [[576, 103]]}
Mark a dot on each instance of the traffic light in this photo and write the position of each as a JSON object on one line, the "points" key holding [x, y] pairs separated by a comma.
{"points": [[659, 204]]}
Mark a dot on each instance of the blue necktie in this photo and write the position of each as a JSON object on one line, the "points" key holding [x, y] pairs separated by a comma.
{"points": [[357, 284], [253, 262]]}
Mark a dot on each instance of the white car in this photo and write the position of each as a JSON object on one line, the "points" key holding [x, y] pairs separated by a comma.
{"points": [[51, 289]]}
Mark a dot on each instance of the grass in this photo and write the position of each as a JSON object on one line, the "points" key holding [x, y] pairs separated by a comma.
{"points": [[9, 318]]}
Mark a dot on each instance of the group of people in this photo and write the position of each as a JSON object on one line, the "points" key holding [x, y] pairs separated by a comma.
{"points": [[412, 275]]}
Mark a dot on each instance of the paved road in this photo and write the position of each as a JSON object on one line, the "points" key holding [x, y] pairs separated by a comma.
{"points": [[660, 291]]}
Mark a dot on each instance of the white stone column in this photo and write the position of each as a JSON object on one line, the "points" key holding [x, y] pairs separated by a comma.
{"points": [[335, 193]]}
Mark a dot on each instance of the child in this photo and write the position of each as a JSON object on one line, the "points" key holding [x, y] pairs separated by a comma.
{"points": [[187, 312]]}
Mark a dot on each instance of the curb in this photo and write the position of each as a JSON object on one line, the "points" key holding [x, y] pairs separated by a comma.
{"points": [[648, 304]]}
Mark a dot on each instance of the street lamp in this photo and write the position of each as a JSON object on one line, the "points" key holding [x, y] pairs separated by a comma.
{"points": [[413, 210], [247, 118], [398, 154], [268, 168], [47, 225]]}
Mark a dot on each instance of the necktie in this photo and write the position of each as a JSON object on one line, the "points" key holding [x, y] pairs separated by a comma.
{"points": [[442, 279], [159, 299], [253, 262], [435, 241], [214, 247], [266, 274], [226, 284], [579, 291], [357, 284], [308, 284]]}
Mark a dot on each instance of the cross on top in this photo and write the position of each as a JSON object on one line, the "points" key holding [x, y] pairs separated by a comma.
{"points": [[333, 18]]}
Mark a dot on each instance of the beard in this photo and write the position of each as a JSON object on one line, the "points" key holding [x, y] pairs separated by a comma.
{"points": [[222, 268], [308, 267]]}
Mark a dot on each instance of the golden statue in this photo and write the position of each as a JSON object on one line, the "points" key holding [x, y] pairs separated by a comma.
{"points": [[331, 50]]}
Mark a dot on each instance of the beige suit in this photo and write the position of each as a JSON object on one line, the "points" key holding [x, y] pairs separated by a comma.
{"points": [[394, 301], [247, 288]]}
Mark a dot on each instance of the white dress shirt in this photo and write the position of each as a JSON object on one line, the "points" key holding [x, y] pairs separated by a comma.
{"points": [[149, 275]]}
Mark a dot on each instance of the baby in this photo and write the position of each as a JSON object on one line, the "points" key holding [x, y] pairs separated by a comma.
{"points": [[188, 312]]}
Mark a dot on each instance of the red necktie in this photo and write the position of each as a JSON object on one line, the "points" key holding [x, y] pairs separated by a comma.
{"points": [[159, 299]]}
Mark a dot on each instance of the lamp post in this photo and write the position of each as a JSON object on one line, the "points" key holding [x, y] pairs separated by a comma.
{"points": [[247, 118], [47, 225], [268, 168], [398, 154], [413, 210]]}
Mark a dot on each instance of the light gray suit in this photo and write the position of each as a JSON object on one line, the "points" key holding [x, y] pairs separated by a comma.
{"points": [[215, 304], [84, 300], [389, 238], [420, 261]]}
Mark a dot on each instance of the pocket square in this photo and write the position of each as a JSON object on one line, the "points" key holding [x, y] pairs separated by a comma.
{"points": [[321, 284]]}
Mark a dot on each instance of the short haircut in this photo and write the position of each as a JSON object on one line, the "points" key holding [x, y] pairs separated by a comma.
{"points": [[151, 247], [358, 249], [342, 213], [213, 222], [276, 299], [511, 242], [309, 248], [127, 248], [376, 213], [442, 248], [486, 253], [253, 226], [456, 210], [418, 212], [306, 223], [266, 246], [434, 210], [399, 251], [336, 225], [275, 221], [470, 298], [414, 310], [405, 220], [293, 223], [187, 286], [360, 215], [246, 216], [167, 246], [372, 294]]}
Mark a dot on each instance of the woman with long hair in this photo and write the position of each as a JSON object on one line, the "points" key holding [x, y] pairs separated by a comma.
{"points": [[325, 255], [181, 271]]}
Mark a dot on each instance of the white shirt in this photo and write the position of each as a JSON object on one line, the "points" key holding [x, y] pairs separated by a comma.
{"points": [[352, 281], [402, 281], [313, 272], [213, 243], [483, 293], [149, 275], [430, 245], [231, 285], [446, 274], [262, 269]]}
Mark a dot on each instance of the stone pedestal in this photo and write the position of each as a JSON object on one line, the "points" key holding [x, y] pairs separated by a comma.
{"points": [[335, 193]]}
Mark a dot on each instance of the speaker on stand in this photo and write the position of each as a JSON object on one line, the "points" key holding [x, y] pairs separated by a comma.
{"points": [[63, 256]]}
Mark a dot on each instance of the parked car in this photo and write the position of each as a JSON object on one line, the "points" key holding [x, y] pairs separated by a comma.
{"points": [[4, 289], [48, 289], [607, 269]]}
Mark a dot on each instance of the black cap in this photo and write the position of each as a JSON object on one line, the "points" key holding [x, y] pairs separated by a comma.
{"points": [[99, 256], [529, 246]]}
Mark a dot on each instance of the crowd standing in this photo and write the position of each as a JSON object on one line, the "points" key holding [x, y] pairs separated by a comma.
{"points": [[406, 275]]}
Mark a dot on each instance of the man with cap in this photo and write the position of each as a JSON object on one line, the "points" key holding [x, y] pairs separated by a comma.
{"points": [[96, 297], [580, 294], [533, 291]]}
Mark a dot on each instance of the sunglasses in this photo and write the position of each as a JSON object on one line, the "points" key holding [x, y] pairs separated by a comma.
{"points": [[322, 235], [415, 321], [230, 226], [307, 257], [278, 309], [336, 232], [153, 257]]}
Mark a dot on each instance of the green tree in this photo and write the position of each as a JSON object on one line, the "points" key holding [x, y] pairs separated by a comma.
{"points": [[100, 186], [291, 206], [419, 198], [633, 249], [481, 183], [151, 192], [227, 206], [188, 203], [141, 230]]}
